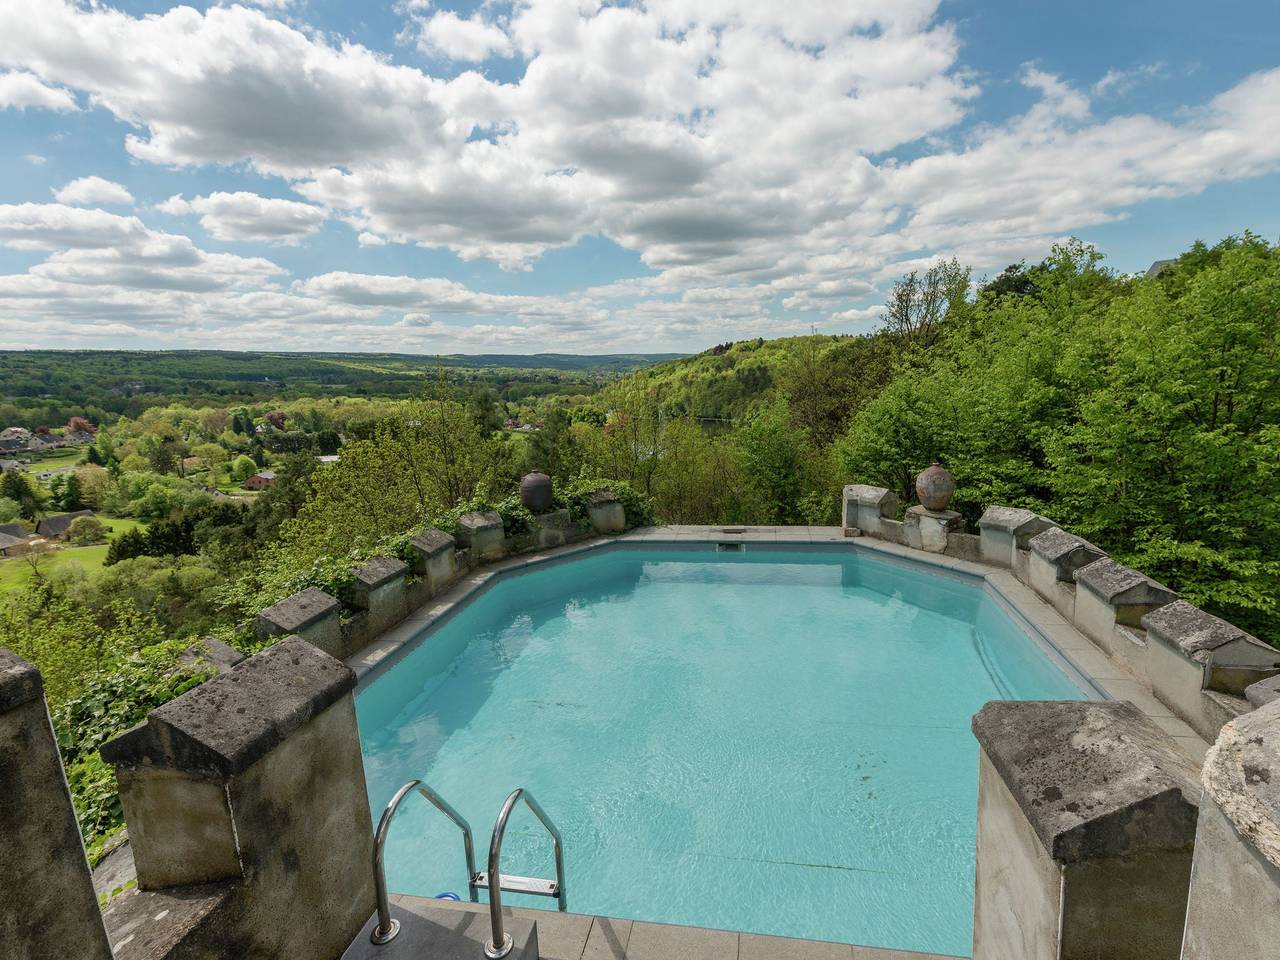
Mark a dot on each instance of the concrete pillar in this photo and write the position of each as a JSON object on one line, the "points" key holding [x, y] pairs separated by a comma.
{"points": [[605, 511], [1233, 912], [1006, 530], [1086, 820], [481, 533], [1111, 600], [434, 550], [1190, 652], [865, 506], [379, 591], [255, 777], [311, 614], [48, 910], [1055, 557], [929, 530]]}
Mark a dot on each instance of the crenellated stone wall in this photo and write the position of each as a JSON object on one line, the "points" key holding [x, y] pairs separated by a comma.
{"points": [[1206, 671], [387, 590]]}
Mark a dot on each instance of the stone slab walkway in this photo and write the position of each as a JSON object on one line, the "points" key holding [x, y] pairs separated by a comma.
{"points": [[576, 936]]}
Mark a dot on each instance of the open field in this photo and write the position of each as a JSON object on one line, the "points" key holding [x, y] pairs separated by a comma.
{"points": [[17, 572], [66, 458]]}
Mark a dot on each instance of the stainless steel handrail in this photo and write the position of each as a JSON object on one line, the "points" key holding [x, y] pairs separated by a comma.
{"points": [[499, 944], [387, 926]]}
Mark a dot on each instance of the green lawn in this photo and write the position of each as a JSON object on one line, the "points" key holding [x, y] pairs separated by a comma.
{"points": [[65, 459], [121, 525], [16, 572]]}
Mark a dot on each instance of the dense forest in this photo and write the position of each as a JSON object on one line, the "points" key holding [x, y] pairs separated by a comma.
{"points": [[1141, 412]]}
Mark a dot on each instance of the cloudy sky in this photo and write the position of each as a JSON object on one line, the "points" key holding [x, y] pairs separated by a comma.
{"points": [[563, 175]]}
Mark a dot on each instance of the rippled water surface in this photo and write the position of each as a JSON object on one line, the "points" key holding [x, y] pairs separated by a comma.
{"points": [[769, 741]]}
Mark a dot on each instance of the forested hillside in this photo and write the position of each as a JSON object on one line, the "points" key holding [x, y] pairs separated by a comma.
{"points": [[1143, 413]]}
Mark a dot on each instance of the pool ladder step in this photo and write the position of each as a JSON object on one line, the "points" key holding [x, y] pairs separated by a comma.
{"points": [[533, 886], [500, 943]]}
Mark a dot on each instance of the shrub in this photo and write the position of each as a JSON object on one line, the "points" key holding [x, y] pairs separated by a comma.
{"points": [[87, 530]]}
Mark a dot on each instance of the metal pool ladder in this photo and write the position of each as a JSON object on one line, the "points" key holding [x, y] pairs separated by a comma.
{"points": [[387, 926], [499, 944]]}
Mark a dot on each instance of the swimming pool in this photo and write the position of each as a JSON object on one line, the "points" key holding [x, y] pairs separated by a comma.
{"points": [[774, 741]]}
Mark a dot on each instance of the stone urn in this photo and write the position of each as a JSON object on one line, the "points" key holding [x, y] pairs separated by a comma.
{"points": [[535, 492], [934, 487]]}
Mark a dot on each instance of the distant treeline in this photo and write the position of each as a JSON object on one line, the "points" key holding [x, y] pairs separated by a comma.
{"points": [[47, 387]]}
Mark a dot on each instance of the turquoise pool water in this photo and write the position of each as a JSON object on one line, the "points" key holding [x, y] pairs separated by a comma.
{"points": [[767, 741]]}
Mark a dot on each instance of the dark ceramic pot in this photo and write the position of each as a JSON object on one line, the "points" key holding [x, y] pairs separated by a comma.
{"points": [[934, 487], [535, 492]]}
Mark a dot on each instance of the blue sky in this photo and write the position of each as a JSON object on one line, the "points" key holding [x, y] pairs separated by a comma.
{"points": [[559, 175]]}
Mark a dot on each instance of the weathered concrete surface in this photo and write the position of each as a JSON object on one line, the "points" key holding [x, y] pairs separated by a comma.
{"points": [[865, 506], [1111, 600], [311, 614], [379, 589], [1232, 659], [481, 533], [1017, 885], [606, 513], [256, 778], [189, 925], [1263, 692], [435, 559], [430, 929], [1130, 594], [210, 653], [48, 910], [1053, 558], [1004, 530], [964, 546], [1064, 552], [1110, 802], [928, 529], [556, 528], [1234, 906]]}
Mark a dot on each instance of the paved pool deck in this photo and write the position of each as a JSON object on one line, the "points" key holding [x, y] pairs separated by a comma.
{"points": [[577, 936]]}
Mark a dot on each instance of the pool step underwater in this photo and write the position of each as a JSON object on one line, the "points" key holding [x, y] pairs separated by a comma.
{"points": [[445, 930]]}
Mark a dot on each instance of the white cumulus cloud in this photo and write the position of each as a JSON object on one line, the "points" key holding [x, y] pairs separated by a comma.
{"points": [[248, 216], [20, 90], [86, 191]]}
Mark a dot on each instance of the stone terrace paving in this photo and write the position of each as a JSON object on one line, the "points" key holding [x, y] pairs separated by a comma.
{"points": [[1106, 828]]}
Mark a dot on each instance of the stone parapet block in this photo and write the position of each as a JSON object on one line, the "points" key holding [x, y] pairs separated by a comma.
{"points": [[605, 512], [1130, 593], [1064, 552], [228, 723], [864, 506], [1093, 779], [48, 909], [256, 778], [1005, 530], [311, 614], [481, 533], [1263, 692], [1232, 658], [1086, 822], [1233, 909]]}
